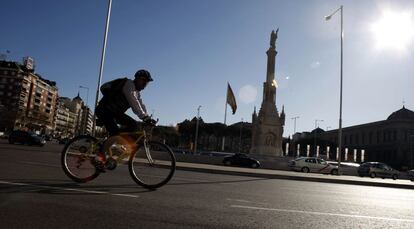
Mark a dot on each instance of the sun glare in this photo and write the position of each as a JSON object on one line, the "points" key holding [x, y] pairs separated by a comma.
{"points": [[394, 30]]}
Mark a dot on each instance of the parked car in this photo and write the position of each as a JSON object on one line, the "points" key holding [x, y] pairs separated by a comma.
{"points": [[377, 169], [410, 174], [313, 164], [240, 159], [24, 137]]}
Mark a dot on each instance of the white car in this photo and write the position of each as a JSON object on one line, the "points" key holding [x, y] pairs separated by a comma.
{"points": [[313, 164]]}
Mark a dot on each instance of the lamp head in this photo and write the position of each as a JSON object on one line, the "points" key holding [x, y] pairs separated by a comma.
{"points": [[328, 17]]}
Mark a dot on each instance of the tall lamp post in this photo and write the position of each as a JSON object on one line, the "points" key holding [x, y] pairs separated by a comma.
{"points": [[294, 124], [294, 132], [108, 16], [196, 133], [87, 94], [341, 8]]}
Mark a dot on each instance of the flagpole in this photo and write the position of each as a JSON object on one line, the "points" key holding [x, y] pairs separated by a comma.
{"points": [[225, 117]]}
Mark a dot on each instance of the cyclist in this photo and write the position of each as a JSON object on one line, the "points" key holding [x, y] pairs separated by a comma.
{"points": [[118, 96]]}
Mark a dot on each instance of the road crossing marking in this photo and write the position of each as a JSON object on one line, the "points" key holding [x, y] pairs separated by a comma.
{"points": [[68, 189], [324, 213]]}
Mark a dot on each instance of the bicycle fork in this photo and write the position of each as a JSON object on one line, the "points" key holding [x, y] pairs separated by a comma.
{"points": [[147, 152]]}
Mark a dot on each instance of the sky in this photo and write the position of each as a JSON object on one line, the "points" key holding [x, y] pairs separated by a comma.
{"points": [[194, 47]]}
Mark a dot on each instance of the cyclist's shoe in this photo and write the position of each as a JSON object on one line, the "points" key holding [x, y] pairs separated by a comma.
{"points": [[99, 162], [110, 164]]}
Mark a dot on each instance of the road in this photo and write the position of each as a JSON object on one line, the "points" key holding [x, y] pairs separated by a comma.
{"points": [[34, 193]]}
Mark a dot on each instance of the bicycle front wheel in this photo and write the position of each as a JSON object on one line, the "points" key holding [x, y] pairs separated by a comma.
{"points": [[152, 165], [78, 159]]}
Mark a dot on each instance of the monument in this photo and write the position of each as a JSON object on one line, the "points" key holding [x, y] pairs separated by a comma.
{"points": [[268, 125]]}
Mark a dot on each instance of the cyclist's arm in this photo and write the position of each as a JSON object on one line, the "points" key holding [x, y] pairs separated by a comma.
{"points": [[134, 100]]}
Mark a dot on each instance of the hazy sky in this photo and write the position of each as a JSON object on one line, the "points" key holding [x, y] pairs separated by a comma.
{"points": [[193, 47]]}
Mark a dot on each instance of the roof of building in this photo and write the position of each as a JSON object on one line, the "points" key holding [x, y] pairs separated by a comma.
{"points": [[16, 65], [77, 97], [402, 114]]}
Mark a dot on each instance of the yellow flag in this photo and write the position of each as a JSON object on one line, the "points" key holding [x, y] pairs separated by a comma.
{"points": [[231, 100]]}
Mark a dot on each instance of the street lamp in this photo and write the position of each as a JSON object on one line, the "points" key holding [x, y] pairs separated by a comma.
{"points": [[341, 74], [196, 134], [108, 16], [87, 93], [294, 124], [240, 142], [294, 131], [411, 151]]}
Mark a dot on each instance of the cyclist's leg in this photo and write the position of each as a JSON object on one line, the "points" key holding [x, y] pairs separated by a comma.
{"points": [[108, 119], [128, 124]]}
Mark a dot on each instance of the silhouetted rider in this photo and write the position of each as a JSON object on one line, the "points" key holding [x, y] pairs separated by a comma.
{"points": [[118, 96]]}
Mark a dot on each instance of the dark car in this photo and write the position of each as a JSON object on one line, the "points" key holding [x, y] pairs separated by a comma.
{"points": [[410, 174], [377, 169], [64, 140], [241, 160], [25, 137]]}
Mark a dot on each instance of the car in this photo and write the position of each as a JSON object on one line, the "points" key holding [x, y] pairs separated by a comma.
{"points": [[410, 174], [313, 164], [63, 140], [240, 159], [25, 137], [377, 169]]}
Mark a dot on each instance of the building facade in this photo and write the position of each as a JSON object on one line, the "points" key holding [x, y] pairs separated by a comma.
{"points": [[26, 99], [267, 126], [390, 141], [73, 117]]}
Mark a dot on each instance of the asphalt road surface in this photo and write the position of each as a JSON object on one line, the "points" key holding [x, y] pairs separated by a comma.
{"points": [[35, 193]]}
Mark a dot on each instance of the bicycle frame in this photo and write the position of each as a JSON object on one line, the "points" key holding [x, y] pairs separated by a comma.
{"points": [[141, 139]]}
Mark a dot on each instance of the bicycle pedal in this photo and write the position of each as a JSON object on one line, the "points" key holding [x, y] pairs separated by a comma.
{"points": [[111, 164], [99, 165]]}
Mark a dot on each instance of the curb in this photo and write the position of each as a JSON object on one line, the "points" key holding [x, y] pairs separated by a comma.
{"points": [[293, 177]]}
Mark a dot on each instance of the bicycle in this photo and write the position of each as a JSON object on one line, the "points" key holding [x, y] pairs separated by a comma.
{"points": [[151, 163]]}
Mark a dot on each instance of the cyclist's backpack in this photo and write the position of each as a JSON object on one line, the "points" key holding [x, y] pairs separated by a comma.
{"points": [[113, 87]]}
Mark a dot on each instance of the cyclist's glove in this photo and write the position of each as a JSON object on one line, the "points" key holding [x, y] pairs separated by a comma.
{"points": [[149, 121]]}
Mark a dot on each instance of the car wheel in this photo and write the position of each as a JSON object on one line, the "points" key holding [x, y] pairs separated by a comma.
{"points": [[372, 175], [412, 180], [305, 169], [394, 176], [334, 172], [255, 165], [360, 175], [227, 163]]}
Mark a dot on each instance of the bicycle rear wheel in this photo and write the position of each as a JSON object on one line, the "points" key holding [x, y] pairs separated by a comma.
{"points": [[152, 165], [77, 158]]}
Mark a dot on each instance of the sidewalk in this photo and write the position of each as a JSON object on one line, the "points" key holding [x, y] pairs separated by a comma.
{"points": [[291, 175]]}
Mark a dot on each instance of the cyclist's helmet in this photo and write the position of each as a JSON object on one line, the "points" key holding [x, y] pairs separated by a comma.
{"points": [[144, 74]]}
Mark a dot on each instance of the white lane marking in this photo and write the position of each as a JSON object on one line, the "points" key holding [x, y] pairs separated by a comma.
{"points": [[324, 213], [68, 189], [238, 200], [242, 201]]}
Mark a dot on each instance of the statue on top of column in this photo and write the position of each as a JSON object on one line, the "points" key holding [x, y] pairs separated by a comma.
{"points": [[273, 37]]}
